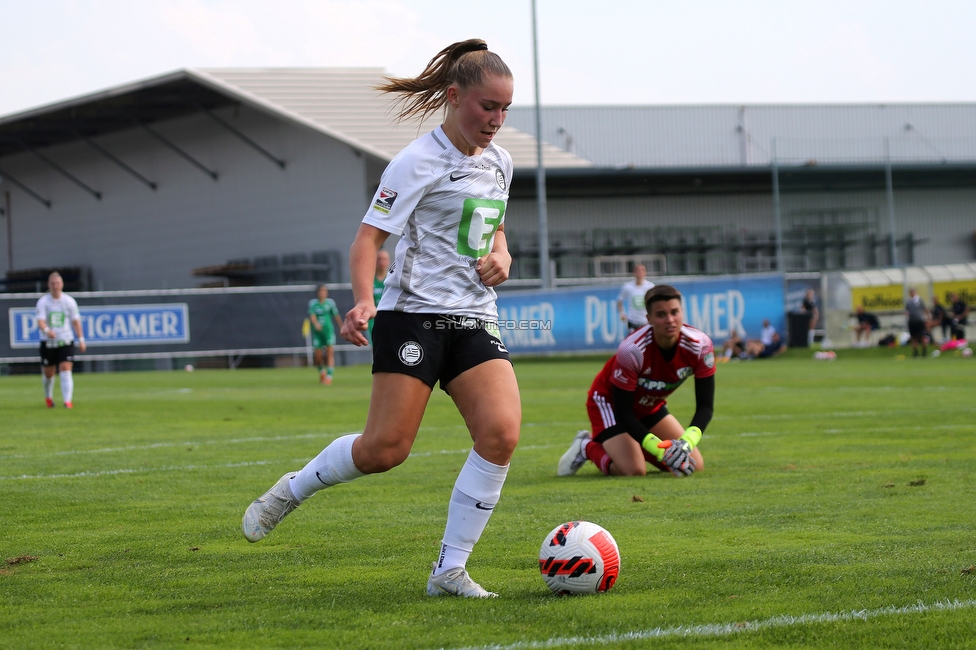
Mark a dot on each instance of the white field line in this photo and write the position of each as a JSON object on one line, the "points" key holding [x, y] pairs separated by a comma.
{"points": [[728, 629], [202, 443], [189, 468]]}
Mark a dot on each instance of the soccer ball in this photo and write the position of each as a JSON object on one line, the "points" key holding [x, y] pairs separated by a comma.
{"points": [[579, 557]]}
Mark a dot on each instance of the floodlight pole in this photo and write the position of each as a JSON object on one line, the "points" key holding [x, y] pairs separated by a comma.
{"points": [[777, 212], [540, 175], [10, 230], [890, 198]]}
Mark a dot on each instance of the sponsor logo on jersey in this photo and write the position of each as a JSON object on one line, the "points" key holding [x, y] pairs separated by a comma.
{"points": [[619, 375], [455, 176], [500, 178], [411, 353], [384, 202], [709, 359], [655, 386]]}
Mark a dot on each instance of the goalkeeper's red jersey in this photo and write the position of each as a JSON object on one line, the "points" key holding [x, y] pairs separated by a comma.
{"points": [[638, 366]]}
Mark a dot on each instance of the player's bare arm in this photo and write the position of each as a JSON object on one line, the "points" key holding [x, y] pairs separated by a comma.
{"points": [[79, 336], [362, 266], [494, 267]]}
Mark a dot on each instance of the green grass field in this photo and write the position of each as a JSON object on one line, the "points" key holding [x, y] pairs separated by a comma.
{"points": [[837, 511]]}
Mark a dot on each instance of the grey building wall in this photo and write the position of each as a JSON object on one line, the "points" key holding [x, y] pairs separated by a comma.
{"points": [[945, 219], [138, 238]]}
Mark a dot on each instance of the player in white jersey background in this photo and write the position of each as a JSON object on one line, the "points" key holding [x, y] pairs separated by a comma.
{"points": [[444, 198], [59, 323]]}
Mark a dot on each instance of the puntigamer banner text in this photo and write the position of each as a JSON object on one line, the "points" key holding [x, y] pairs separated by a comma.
{"points": [[112, 325], [586, 319]]}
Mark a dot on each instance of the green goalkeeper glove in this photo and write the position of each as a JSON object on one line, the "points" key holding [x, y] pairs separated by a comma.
{"points": [[675, 454]]}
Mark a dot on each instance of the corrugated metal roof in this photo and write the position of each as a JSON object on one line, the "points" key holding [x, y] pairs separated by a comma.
{"points": [[339, 102], [737, 136], [342, 101]]}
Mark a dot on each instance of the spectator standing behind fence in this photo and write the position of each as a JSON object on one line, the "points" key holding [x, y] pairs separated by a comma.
{"points": [[918, 318], [59, 323], [810, 307], [960, 314], [630, 300], [866, 323]]}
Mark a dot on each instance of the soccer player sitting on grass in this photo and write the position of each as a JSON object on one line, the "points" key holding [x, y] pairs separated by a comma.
{"points": [[322, 311], [627, 402]]}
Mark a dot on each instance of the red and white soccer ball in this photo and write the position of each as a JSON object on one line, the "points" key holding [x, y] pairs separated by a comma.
{"points": [[579, 557]]}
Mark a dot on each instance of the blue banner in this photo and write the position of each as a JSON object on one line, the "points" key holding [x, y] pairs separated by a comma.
{"points": [[586, 318], [111, 325]]}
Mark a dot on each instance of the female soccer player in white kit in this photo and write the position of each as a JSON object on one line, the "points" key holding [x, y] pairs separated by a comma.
{"points": [[444, 196], [59, 323]]}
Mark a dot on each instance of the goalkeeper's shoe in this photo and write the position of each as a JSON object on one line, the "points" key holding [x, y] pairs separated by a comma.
{"points": [[456, 582], [268, 510], [575, 456]]}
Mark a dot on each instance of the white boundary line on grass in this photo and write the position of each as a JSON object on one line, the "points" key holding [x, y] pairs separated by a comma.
{"points": [[181, 468], [728, 629]]}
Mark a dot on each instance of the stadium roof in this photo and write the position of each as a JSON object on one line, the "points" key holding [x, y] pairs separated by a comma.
{"points": [[742, 136], [337, 102]]}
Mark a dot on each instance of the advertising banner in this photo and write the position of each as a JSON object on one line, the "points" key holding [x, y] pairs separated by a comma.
{"points": [[586, 319], [885, 298], [112, 325], [965, 289]]}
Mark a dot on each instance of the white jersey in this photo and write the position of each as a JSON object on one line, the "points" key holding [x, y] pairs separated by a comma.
{"points": [[446, 208], [632, 297], [58, 314]]}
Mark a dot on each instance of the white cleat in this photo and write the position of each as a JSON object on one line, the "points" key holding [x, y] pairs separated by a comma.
{"points": [[456, 582], [574, 458], [268, 510]]}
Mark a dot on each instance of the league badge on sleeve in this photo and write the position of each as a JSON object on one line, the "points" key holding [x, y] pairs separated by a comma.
{"points": [[384, 202]]}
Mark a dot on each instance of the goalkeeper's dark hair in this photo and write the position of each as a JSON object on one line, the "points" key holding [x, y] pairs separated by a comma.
{"points": [[660, 292], [463, 64]]}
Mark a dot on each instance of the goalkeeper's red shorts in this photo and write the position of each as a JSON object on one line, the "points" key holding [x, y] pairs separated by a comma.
{"points": [[603, 421]]}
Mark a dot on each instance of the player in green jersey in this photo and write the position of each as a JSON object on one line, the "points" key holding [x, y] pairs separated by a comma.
{"points": [[379, 282], [322, 311]]}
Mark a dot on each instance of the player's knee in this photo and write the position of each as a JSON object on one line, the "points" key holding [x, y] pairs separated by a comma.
{"points": [[633, 471], [376, 457]]}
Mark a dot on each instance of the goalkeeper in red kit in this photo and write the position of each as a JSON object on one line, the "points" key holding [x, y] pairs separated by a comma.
{"points": [[627, 402]]}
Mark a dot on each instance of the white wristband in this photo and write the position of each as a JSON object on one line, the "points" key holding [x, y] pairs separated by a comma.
{"points": [[81, 339]]}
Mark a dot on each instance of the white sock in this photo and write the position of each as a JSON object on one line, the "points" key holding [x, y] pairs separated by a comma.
{"points": [[48, 386], [476, 491], [332, 466], [67, 385], [810, 334]]}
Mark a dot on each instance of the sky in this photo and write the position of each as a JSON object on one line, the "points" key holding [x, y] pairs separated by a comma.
{"points": [[595, 52]]}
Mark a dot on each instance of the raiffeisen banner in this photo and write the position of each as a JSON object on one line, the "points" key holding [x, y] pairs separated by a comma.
{"points": [[586, 318], [112, 325]]}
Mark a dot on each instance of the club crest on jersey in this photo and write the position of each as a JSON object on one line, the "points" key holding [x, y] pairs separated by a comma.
{"points": [[411, 353], [384, 202], [500, 178]]}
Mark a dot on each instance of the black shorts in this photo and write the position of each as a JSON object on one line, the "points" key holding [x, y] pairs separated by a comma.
{"points": [[433, 347], [916, 329], [648, 421], [55, 356]]}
